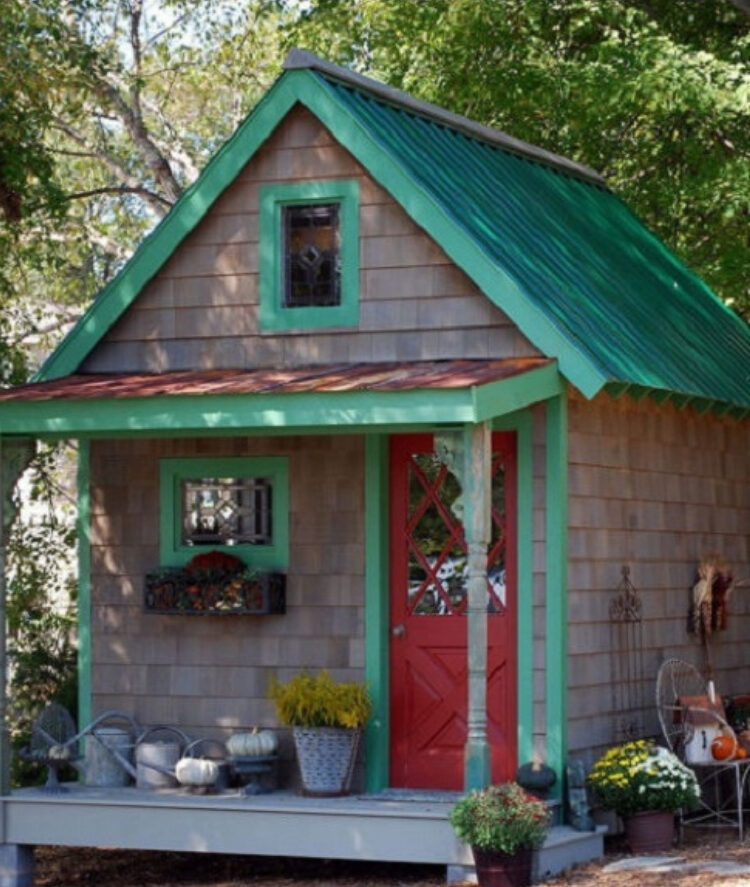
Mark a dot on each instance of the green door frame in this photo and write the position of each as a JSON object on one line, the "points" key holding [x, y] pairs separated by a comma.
{"points": [[376, 594]]}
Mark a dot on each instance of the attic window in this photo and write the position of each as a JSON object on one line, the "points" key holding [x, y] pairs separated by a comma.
{"points": [[312, 266], [309, 255]]}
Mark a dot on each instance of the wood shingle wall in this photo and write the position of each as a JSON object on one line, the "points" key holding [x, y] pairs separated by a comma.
{"points": [[200, 311], [211, 673], [653, 488]]}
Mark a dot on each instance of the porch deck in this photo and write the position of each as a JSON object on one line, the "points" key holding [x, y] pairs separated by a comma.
{"points": [[385, 828]]}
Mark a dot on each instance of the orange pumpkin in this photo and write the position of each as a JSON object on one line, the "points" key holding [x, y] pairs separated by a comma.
{"points": [[722, 747]]}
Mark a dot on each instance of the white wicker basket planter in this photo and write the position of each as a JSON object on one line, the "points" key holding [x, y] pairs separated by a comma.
{"points": [[326, 758]]}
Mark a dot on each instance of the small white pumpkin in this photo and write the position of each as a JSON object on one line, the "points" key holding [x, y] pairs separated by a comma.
{"points": [[196, 771], [258, 743], [59, 753]]}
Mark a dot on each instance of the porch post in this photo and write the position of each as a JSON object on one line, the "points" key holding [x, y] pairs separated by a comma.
{"points": [[84, 583], [477, 453], [556, 565]]}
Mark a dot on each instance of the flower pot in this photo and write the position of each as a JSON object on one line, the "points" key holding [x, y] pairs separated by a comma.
{"points": [[650, 831], [326, 758], [497, 869]]}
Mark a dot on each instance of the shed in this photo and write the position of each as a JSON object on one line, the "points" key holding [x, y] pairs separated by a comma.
{"points": [[363, 306]]}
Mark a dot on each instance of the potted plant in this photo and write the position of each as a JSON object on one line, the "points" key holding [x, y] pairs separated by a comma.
{"points": [[502, 824], [326, 720], [645, 785]]}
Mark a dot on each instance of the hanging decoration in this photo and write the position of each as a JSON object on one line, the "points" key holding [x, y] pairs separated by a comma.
{"points": [[710, 598]]}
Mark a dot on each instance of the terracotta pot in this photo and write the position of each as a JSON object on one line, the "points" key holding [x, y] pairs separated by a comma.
{"points": [[649, 831], [497, 869]]}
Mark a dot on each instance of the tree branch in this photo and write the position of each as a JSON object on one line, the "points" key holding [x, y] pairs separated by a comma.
{"points": [[155, 201], [118, 189]]}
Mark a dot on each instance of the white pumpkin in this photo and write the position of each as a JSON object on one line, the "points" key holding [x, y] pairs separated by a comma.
{"points": [[258, 743], [59, 753], [196, 771]]}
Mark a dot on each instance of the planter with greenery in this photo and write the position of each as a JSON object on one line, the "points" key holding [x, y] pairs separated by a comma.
{"points": [[502, 824], [645, 785], [326, 720]]}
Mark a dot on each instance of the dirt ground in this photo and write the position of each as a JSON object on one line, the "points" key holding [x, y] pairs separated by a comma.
{"points": [[66, 867]]}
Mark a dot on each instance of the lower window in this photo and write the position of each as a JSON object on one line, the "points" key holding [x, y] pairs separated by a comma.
{"points": [[237, 505]]}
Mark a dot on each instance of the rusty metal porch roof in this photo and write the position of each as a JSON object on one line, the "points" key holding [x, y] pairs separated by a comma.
{"points": [[339, 377]]}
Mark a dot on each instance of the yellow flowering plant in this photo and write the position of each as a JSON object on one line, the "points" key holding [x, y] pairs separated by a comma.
{"points": [[639, 776], [318, 701]]}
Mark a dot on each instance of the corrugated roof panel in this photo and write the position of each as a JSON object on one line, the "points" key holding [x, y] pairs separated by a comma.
{"points": [[614, 290], [423, 375]]}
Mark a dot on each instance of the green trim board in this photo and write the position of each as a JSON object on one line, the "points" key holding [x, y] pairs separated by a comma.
{"points": [[508, 395], [273, 315], [556, 601], [174, 553], [377, 672], [171, 413], [83, 534], [521, 423]]}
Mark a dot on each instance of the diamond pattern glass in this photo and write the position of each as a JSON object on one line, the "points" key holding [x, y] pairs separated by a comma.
{"points": [[227, 511], [312, 256]]}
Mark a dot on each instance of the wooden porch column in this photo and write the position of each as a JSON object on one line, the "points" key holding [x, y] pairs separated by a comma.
{"points": [[469, 456], [477, 452]]}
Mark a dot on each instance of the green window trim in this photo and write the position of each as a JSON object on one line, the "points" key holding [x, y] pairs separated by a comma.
{"points": [[173, 553], [273, 198]]}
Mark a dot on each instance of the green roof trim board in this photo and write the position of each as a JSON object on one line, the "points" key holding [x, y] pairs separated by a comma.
{"points": [[584, 280]]}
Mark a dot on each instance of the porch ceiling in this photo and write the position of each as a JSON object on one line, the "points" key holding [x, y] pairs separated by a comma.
{"points": [[350, 395]]}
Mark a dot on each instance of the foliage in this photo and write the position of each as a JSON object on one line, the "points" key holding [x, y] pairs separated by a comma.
{"points": [[114, 106], [502, 817], [41, 598], [641, 776], [317, 701], [653, 93]]}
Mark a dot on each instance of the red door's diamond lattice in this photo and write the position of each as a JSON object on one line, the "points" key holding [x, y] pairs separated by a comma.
{"points": [[435, 540]]}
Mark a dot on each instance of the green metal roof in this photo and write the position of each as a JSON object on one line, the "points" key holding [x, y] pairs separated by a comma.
{"points": [[579, 274], [577, 252]]}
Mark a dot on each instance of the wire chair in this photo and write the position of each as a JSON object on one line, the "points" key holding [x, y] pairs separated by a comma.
{"points": [[690, 718]]}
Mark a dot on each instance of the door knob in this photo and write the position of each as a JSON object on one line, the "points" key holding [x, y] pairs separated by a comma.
{"points": [[399, 630]]}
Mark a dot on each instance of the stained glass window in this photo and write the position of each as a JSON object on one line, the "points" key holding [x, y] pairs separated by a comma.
{"points": [[312, 274], [226, 511]]}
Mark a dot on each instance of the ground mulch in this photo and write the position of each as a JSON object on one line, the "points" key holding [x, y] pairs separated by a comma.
{"points": [[76, 867]]}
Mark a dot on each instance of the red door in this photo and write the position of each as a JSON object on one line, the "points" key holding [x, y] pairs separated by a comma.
{"points": [[428, 659]]}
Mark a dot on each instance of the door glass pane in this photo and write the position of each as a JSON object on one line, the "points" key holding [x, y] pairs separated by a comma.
{"points": [[435, 541], [496, 578]]}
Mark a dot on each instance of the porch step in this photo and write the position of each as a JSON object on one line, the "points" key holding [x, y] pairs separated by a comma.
{"points": [[566, 847], [563, 848]]}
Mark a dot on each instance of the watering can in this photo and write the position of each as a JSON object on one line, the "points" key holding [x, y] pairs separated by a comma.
{"points": [[157, 757], [110, 758]]}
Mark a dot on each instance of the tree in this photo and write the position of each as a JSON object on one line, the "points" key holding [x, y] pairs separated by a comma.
{"points": [[114, 126], [653, 93]]}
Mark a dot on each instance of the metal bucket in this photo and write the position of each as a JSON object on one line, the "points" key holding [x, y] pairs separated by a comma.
{"points": [[102, 750], [155, 762]]}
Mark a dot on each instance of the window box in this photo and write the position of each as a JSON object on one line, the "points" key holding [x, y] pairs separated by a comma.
{"points": [[175, 590]]}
